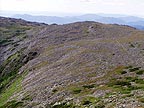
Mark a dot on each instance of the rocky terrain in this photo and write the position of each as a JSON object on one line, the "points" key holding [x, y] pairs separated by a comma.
{"points": [[77, 65]]}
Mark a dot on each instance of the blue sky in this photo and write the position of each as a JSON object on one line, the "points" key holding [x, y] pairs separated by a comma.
{"points": [[127, 7]]}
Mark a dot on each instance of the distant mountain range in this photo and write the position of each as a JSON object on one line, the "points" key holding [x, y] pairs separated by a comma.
{"points": [[133, 21]]}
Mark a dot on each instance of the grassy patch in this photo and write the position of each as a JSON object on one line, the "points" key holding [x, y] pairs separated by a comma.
{"points": [[128, 95], [89, 100], [5, 41], [12, 104], [9, 70], [40, 65], [135, 79], [13, 88], [121, 86], [141, 99], [82, 90], [116, 82], [124, 84]]}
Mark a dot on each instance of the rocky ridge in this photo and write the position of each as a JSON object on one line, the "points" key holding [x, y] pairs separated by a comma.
{"points": [[77, 65]]}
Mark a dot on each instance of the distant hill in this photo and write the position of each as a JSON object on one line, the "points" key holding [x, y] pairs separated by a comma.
{"points": [[123, 20]]}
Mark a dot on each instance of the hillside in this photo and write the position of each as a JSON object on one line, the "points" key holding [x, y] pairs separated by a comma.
{"points": [[78, 65]]}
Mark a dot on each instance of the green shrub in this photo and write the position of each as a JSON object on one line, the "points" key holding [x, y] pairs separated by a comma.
{"points": [[4, 41], [77, 91], [100, 106], [122, 83], [141, 100], [131, 45], [131, 79], [140, 72], [128, 67], [134, 69], [86, 102], [139, 81], [64, 105], [123, 72], [54, 90], [89, 86], [28, 97]]}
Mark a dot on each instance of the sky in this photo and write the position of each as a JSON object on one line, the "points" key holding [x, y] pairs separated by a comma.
{"points": [[126, 7]]}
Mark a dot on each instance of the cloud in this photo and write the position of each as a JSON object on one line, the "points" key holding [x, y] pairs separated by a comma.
{"points": [[108, 2], [118, 3], [75, 6], [85, 0]]}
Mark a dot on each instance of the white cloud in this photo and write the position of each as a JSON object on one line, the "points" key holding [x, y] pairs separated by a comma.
{"points": [[76, 6]]}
